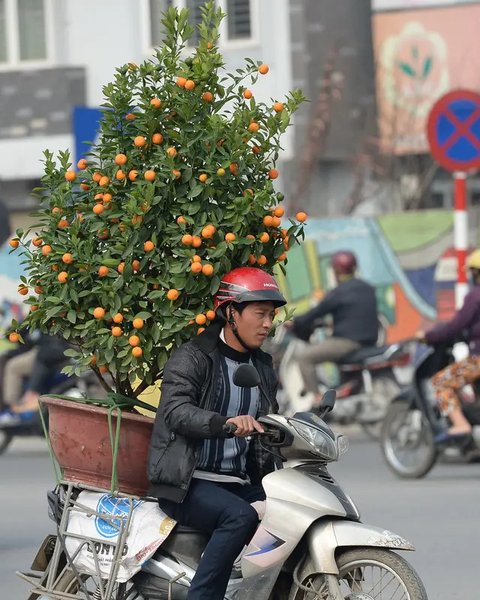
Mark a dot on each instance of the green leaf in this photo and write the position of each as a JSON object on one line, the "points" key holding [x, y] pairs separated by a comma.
{"points": [[72, 316], [219, 250], [407, 69], [155, 334], [214, 285], [427, 66], [196, 191], [118, 283], [143, 315], [52, 312], [70, 352]]}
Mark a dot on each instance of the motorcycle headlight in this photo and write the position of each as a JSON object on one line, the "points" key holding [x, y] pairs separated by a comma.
{"points": [[322, 444], [342, 444]]}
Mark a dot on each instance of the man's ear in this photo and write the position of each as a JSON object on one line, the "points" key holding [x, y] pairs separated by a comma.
{"points": [[230, 313]]}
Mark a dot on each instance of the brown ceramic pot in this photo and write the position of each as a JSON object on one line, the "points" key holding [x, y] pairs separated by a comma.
{"points": [[80, 439]]}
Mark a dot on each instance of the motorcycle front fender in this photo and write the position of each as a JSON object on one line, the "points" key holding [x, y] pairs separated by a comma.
{"points": [[324, 538]]}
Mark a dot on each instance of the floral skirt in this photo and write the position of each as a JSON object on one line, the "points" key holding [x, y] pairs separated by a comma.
{"points": [[449, 381]]}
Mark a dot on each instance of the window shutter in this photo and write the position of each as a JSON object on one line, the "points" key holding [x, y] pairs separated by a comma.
{"points": [[31, 30], [195, 16], [3, 32], [239, 24], [157, 8]]}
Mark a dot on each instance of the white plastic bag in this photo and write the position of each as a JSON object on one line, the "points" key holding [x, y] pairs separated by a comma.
{"points": [[149, 527]]}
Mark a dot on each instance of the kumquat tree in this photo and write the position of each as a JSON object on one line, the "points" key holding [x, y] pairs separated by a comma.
{"points": [[131, 243]]}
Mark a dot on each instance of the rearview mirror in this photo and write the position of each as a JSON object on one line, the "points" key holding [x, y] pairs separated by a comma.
{"points": [[328, 401], [246, 376]]}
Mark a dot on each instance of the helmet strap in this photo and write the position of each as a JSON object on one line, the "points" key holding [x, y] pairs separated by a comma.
{"points": [[234, 328], [475, 276]]}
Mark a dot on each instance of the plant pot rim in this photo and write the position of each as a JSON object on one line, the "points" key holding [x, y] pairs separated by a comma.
{"points": [[48, 400]]}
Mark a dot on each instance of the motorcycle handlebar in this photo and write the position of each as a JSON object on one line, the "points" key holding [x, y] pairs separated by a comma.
{"points": [[230, 428]]}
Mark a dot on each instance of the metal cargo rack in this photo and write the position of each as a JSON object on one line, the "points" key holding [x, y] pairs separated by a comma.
{"points": [[54, 574]]}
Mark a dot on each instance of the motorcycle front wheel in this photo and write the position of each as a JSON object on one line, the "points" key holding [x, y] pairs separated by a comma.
{"points": [[366, 574], [378, 574], [407, 441]]}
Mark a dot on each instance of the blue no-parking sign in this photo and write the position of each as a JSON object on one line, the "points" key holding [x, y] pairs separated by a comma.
{"points": [[453, 130], [86, 127]]}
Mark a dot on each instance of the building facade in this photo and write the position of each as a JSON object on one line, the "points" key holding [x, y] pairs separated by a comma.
{"points": [[423, 49], [56, 55]]}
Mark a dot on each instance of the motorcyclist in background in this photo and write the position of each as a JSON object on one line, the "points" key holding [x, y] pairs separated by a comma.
{"points": [[38, 365], [5, 358], [449, 381], [353, 307]]}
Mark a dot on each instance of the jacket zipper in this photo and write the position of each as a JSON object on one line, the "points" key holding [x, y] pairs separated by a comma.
{"points": [[202, 400]]}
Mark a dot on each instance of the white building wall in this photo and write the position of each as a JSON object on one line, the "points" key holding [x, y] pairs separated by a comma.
{"points": [[103, 35]]}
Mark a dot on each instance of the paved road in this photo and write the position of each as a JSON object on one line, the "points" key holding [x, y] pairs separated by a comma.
{"points": [[439, 514]]}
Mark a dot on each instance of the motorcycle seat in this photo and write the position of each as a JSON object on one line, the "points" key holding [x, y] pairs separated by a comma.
{"points": [[186, 529], [186, 544], [362, 355]]}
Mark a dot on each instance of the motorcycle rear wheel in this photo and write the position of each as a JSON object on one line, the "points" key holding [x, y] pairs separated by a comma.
{"points": [[407, 441]]}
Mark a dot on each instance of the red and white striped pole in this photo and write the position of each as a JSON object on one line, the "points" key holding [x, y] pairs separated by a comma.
{"points": [[460, 234]]}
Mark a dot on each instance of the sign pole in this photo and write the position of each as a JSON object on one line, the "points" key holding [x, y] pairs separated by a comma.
{"points": [[453, 132], [460, 228]]}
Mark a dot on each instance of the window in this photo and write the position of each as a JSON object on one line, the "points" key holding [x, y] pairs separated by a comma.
{"points": [[157, 8], [3, 32], [195, 16], [239, 20], [23, 31], [237, 27]]}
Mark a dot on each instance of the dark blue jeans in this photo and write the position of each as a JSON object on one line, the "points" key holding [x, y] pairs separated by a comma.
{"points": [[224, 511]]}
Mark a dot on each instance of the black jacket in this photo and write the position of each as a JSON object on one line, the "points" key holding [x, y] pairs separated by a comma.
{"points": [[50, 358], [184, 417], [353, 306]]}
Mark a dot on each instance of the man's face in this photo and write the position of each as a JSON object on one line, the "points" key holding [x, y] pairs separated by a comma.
{"points": [[255, 322]]}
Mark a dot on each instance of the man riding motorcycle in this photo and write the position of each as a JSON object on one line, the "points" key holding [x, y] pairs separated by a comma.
{"points": [[204, 478], [39, 364], [449, 381], [353, 307]]}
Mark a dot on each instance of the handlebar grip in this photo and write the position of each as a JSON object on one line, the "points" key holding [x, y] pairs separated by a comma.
{"points": [[229, 428]]}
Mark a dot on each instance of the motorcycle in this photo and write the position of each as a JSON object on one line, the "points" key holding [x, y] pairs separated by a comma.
{"points": [[75, 387], [413, 420], [310, 543], [367, 383]]}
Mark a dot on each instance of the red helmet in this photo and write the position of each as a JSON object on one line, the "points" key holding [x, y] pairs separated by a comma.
{"points": [[344, 262], [248, 284]]}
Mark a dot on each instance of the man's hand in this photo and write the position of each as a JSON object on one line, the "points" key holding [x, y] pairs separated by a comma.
{"points": [[420, 336], [245, 425]]}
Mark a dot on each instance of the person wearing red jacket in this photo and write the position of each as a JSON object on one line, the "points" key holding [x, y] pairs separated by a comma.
{"points": [[450, 380]]}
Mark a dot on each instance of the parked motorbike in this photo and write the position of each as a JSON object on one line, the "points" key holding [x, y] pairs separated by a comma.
{"points": [[60, 383], [367, 383], [413, 420], [310, 544]]}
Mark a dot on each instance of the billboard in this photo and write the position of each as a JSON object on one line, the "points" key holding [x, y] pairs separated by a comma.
{"points": [[419, 56], [409, 4]]}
